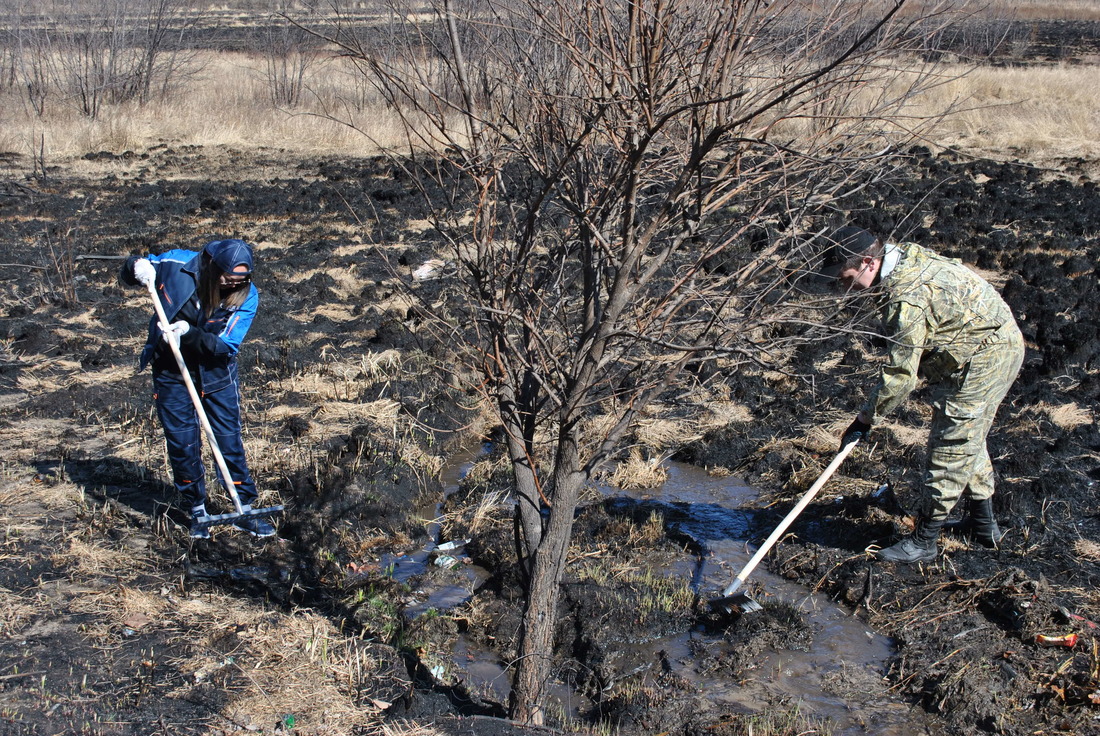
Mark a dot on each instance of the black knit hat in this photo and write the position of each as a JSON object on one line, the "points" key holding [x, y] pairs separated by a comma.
{"points": [[844, 245]]}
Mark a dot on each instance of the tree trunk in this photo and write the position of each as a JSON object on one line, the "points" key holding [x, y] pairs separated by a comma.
{"points": [[536, 649], [519, 430]]}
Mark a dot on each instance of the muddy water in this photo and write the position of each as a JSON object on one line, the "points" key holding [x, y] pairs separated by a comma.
{"points": [[443, 553], [839, 677]]}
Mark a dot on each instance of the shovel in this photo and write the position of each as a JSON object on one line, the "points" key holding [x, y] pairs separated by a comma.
{"points": [[733, 601], [241, 512]]}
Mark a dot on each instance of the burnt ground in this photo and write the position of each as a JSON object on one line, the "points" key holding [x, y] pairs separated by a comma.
{"points": [[114, 623]]}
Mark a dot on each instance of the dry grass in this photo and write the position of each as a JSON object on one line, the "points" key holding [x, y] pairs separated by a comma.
{"points": [[268, 663], [92, 558], [1023, 10], [290, 664], [408, 728], [1087, 549], [1045, 9], [1064, 416], [638, 472], [15, 613], [1039, 113], [226, 103], [664, 434]]}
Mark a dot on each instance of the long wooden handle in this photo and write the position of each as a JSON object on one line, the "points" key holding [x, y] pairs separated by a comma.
{"points": [[173, 342], [788, 519]]}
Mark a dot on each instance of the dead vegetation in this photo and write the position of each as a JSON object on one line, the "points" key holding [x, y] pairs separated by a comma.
{"points": [[140, 635]]}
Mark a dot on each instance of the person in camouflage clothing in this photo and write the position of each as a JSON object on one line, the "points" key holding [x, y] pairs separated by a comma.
{"points": [[947, 325]]}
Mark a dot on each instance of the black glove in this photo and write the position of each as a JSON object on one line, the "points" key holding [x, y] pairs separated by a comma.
{"points": [[856, 431]]}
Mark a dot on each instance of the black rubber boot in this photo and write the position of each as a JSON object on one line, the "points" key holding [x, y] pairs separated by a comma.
{"points": [[920, 546], [984, 527]]}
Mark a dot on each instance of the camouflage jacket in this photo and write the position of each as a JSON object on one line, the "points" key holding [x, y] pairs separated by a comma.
{"points": [[937, 313]]}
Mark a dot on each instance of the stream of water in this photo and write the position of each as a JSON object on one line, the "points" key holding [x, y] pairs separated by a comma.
{"points": [[840, 677]]}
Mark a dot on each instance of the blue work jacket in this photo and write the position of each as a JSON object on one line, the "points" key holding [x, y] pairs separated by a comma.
{"points": [[210, 347]]}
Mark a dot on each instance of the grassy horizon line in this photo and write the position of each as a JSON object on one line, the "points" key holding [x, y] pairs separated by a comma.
{"points": [[1036, 113]]}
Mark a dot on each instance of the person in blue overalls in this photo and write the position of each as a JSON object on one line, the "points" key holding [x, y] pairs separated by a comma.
{"points": [[210, 301]]}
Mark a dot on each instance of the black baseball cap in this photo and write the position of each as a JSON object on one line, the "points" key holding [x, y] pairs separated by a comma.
{"points": [[842, 246]]}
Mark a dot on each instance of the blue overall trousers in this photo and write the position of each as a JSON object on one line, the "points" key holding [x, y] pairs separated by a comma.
{"points": [[183, 434]]}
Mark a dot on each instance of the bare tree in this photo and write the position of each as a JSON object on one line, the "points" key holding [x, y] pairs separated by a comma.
{"points": [[627, 187], [289, 52], [101, 53], [32, 61]]}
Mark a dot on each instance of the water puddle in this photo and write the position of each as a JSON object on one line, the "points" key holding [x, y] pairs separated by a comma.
{"points": [[447, 554], [840, 677]]}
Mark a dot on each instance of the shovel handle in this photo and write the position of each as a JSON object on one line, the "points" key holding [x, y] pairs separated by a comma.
{"points": [[173, 342], [808, 496]]}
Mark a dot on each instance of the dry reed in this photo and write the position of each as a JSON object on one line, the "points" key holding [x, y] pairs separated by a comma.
{"points": [[226, 104], [1035, 112]]}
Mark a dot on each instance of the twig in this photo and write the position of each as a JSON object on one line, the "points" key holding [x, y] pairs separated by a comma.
{"points": [[94, 257], [22, 265], [22, 674]]}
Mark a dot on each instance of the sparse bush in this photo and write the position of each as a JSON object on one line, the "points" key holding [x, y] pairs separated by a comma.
{"points": [[125, 50], [288, 56]]}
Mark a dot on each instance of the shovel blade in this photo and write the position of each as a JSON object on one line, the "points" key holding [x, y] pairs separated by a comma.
{"points": [[736, 603], [210, 520]]}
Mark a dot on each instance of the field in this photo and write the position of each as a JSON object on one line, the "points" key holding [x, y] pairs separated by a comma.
{"points": [[114, 622]]}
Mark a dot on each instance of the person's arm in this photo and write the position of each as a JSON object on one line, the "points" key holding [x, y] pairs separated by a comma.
{"points": [[129, 275], [134, 269], [907, 331], [223, 339]]}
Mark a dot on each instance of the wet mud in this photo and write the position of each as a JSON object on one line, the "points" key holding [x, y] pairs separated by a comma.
{"points": [[350, 421]]}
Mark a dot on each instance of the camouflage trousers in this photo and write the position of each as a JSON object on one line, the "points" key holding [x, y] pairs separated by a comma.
{"points": [[964, 406]]}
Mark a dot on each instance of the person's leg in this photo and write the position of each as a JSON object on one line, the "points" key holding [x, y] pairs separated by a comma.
{"points": [[223, 410], [951, 454], [1000, 364], [183, 439], [958, 460]]}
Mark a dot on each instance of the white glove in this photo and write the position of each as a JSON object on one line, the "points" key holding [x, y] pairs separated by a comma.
{"points": [[175, 331], [144, 272]]}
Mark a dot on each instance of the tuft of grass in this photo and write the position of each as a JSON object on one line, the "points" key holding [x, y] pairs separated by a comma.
{"points": [[638, 472], [663, 594], [1087, 549], [1067, 417], [789, 721], [649, 533]]}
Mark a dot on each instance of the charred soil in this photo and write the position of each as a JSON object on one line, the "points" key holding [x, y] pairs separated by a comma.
{"points": [[114, 623]]}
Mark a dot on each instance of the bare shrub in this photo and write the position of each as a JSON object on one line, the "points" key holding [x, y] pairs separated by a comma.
{"points": [[115, 51], [289, 53], [61, 283]]}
